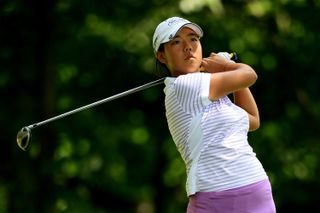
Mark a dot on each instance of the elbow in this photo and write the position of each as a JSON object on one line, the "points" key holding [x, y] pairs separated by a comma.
{"points": [[249, 75], [255, 76], [254, 124], [254, 121], [254, 127], [252, 76]]}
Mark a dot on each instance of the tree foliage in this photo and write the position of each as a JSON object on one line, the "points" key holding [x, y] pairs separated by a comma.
{"points": [[119, 157]]}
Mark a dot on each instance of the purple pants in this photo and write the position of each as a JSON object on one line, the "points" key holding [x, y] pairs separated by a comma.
{"points": [[253, 198]]}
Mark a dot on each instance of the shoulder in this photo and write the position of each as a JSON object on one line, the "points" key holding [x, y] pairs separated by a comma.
{"points": [[188, 79]]}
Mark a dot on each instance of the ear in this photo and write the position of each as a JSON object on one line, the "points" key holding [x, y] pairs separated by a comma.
{"points": [[161, 57]]}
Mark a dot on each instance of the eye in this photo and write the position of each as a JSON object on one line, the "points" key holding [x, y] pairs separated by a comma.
{"points": [[195, 39], [174, 42]]}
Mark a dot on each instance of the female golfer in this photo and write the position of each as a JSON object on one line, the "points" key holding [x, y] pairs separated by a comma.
{"points": [[209, 130]]}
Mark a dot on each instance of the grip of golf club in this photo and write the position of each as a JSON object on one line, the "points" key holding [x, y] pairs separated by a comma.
{"points": [[229, 56]]}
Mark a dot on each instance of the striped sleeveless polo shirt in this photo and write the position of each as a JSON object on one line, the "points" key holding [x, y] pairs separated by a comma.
{"points": [[211, 136]]}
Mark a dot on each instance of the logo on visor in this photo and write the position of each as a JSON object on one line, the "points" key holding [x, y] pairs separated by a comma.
{"points": [[174, 21]]}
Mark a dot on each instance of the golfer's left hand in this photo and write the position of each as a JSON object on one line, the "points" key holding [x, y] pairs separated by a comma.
{"points": [[214, 63]]}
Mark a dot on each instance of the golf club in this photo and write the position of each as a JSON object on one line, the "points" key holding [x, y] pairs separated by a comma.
{"points": [[24, 135]]}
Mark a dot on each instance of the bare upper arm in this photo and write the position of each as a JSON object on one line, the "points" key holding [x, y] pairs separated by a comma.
{"points": [[223, 83]]}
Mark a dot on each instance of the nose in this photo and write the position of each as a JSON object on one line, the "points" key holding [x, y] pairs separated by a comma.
{"points": [[187, 47]]}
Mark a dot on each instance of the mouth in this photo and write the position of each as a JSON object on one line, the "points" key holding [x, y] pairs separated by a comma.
{"points": [[188, 57]]}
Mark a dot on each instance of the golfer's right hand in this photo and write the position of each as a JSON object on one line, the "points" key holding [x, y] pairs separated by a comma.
{"points": [[214, 63]]}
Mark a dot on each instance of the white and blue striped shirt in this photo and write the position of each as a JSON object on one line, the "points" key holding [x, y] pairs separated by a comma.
{"points": [[211, 136]]}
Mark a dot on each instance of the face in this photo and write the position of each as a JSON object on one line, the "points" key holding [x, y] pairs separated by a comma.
{"points": [[183, 54]]}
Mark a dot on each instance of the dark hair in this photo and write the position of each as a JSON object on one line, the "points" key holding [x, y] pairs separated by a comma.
{"points": [[162, 69]]}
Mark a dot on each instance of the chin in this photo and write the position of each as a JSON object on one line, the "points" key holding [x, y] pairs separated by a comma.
{"points": [[184, 71], [192, 70]]}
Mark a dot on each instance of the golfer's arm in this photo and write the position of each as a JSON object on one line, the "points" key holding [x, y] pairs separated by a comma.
{"points": [[235, 77], [244, 99]]}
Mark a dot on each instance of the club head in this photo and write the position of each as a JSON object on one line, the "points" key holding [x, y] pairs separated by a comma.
{"points": [[24, 138]]}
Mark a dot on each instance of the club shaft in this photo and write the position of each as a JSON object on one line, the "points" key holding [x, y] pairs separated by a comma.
{"points": [[119, 95]]}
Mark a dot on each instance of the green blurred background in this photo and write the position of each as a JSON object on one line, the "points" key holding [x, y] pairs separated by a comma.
{"points": [[119, 157]]}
